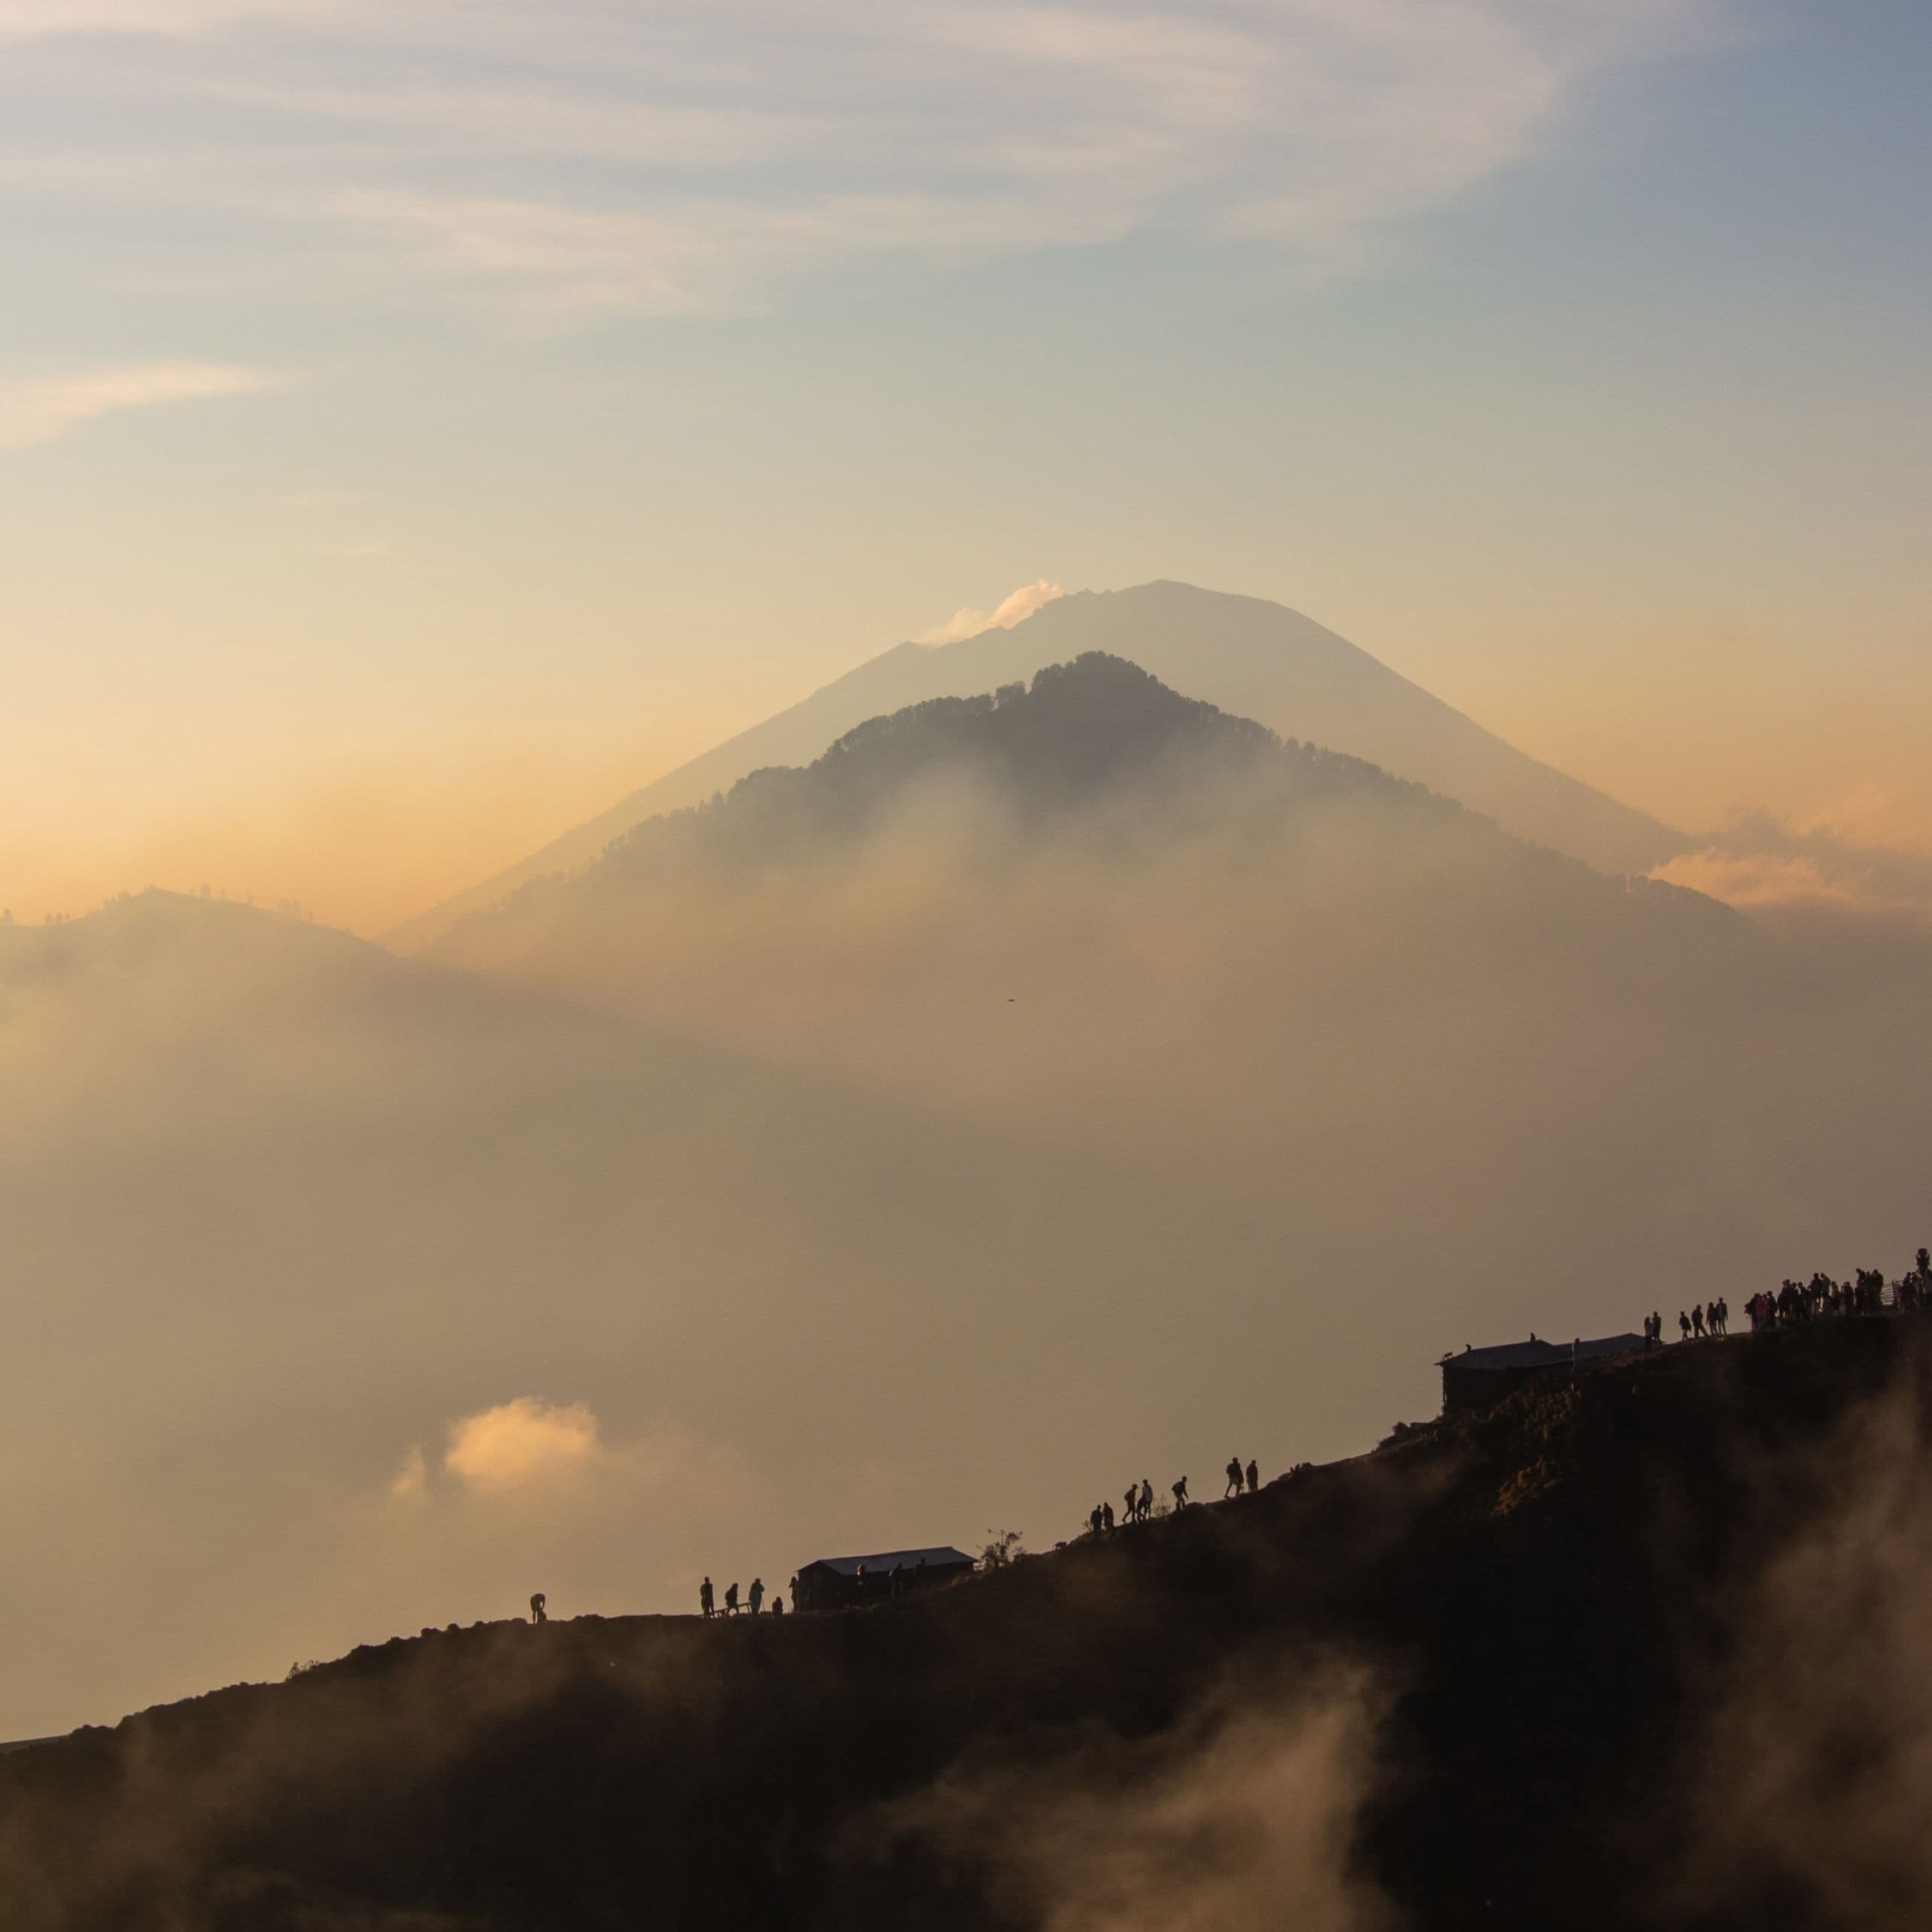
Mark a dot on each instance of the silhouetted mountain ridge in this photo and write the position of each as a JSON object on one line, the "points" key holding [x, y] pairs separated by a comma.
{"points": [[1098, 736], [1528, 1616], [1254, 658]]}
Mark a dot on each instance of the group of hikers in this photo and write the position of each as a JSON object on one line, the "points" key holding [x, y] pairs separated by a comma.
{"points": [[753, 1605], [1137, 1503], [1711, 1317], [1867, 1292]]}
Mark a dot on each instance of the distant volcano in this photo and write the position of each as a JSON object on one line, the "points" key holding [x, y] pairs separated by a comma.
{"points": [[1243, 654]]}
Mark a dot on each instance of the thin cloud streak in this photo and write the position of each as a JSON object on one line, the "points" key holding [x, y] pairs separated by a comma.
{"points": [[45, 409], [565, 165]]}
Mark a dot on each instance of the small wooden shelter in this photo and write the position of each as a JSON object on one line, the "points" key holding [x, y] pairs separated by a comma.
{"points": [[848, 1582], [1479, 1376]]}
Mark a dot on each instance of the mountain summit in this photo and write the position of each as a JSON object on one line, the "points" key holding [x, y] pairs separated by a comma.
{"points": [[1255, 659]]}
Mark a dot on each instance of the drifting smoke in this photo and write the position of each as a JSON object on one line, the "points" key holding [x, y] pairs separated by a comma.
{"points": [[1815, 1780], [1047, 1119], [1014, 608], [1241, 1818]]}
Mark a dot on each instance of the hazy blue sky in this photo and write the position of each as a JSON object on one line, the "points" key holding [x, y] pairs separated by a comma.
{"points": [[420, 422]]}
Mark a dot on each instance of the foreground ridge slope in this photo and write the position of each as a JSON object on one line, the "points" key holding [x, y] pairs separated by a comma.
{"points": [[1542, 1593]]}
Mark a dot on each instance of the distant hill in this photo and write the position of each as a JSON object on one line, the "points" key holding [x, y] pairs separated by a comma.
{"points": [[1255, 659], [1542, 1666], [1126, 864], [1043, 1091]]}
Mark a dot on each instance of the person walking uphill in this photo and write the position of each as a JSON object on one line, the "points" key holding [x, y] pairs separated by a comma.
{"points": [[1233, 1478], [1181, 1493]]}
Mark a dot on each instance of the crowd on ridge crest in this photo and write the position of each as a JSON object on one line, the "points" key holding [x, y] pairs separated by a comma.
{"points": [[1866, 1292]]}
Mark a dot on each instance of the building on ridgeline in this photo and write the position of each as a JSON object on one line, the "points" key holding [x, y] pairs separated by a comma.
{"points": [[1477, 1377], [852, 1582]]}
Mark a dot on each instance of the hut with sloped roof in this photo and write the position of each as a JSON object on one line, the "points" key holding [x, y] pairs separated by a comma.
{"points": [[851, 1583], [1477, 1377]]}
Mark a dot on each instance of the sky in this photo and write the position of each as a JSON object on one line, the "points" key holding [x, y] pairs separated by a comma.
{"points": [[422, 423]]}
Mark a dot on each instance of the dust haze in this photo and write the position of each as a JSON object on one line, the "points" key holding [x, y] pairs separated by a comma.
{"points": [[1051, 1092], [1242, 1815], [1809, 1785]]}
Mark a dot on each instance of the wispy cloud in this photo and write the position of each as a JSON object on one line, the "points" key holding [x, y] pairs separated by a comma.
{"points": [[1839, 861], [45, 409], [580, 159]]}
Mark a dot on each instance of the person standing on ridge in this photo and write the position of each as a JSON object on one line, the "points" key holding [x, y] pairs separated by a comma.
{"points": [[757, 1594], [1107, 1519], [1180, 1493], [1254, 1476], [537, 1614], [1147, 1499], [1233, 1478], [706, 1602], [731, 1600]]}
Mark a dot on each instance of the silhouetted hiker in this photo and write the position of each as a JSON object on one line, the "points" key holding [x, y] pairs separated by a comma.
{"points": [[1697, 1320], [757, 1594], [778, 1606], [1254, 1476], [1093, 1521], [537, 1613], [794, 1593], [1181, 1493], [1130, 1504], [1233, 1478], [731, 1600], [706, 1602], [1147, 1499], [1657, 1331], [1723, 1316], [1106, 1518], [1683, 1326]]}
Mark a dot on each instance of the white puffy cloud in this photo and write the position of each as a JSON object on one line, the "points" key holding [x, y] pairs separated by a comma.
{"points": [[1016, 607], [523, 1445], [45, 409]]}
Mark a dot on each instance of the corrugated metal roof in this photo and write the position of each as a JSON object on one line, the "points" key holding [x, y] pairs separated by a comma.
{"points": [[944, 1557], [1535, 1355]]}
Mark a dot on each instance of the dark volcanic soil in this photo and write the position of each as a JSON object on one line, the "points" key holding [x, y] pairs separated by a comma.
{"points": [[1545, 1591]]}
